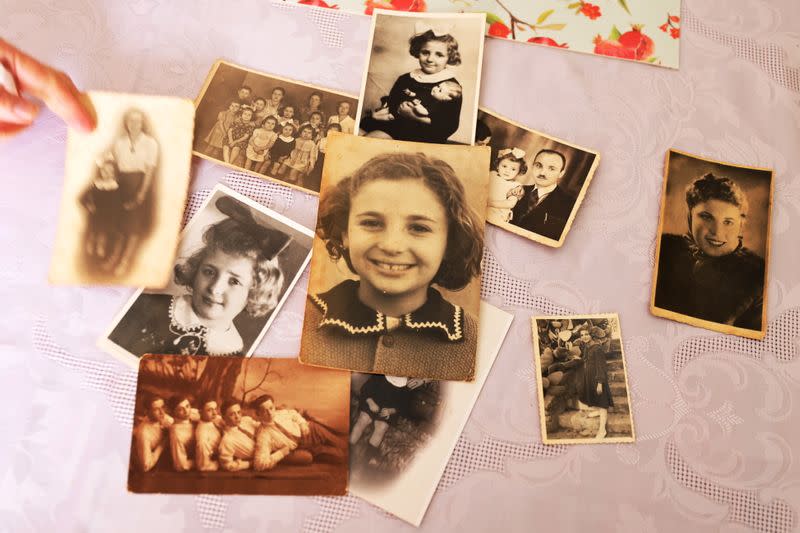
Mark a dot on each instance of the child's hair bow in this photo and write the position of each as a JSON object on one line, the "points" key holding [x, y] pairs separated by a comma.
{"points": [[516, 152], [424, 27]]}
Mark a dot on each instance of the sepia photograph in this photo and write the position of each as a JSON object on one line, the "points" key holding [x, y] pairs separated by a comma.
{"points": [[536, 182], [236, 265], [395, 274], [224, 425], [403, 431], [422, 77], [713, 245], [268, 126], [583, 384], [125, 185]]}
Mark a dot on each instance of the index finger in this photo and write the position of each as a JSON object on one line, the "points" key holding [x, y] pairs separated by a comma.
{"points": [[53, 87]]}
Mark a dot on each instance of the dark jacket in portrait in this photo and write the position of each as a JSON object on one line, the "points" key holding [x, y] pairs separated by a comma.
{"points": [[726, 290], [548, 217]]}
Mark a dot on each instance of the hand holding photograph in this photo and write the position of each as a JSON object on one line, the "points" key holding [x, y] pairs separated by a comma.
{"points": [[536, 183], [238, 261], [422, 77], [713, 249], [403, 431], [221, 425], [395, 274], [125, 186], [583, 383], [268, 126]]}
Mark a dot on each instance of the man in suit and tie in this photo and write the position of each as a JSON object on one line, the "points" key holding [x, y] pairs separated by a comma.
{"points": [[545, 207]]}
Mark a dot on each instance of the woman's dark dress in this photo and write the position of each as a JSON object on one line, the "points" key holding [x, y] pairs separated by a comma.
{"points": [[726, 290], [595, 370], [444, 115], [108, 217]]}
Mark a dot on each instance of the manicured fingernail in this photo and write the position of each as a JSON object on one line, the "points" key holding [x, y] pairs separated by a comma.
{"points": [[25, 111]]}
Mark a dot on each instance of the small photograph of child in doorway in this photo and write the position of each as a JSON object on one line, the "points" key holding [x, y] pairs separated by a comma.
{"points": [[583, 384], [422, 78]]}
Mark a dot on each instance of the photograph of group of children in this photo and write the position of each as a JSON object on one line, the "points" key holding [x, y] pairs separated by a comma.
{"points": [[536, 182], [226, 425], [422, 77], [125, 185], [269, 126]]}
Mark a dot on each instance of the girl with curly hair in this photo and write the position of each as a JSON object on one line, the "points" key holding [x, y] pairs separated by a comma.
{"points": [[401, 224], [235, 272], [708, 273]]}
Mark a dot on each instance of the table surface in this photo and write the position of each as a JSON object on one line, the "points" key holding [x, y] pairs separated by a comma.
{"points": [[714, 414]]}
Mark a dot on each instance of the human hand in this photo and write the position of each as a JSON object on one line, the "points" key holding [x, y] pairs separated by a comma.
{"points": [[406, 109], [386, 412], [599, 388], [372, 405], [41, 81]]}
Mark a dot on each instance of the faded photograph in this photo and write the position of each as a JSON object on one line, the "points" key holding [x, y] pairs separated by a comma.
{"points": [[583, 386], [395, 274], [269, 126], [536, 182], [123, 192], [403, 431], [713, 247], [423, 77], [236, 265], [219, 425]]}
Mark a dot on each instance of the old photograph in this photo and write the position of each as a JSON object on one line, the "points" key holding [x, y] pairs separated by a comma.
{"points": [[236, 265], [268, 126], [403, 431], [713, 245], [583, 383], [395, 275], [125, 185], [422, 77], [537, 182], [223, 425]]}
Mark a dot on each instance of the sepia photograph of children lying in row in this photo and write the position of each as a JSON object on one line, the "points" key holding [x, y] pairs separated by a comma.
{"points": [[222, 425], [268, 126]]}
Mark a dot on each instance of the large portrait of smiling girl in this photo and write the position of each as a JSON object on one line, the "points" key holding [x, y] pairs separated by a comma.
{"points": [[713, 248], [395, 275]]}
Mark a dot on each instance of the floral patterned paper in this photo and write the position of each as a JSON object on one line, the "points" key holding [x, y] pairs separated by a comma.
{"points": [[640, 30]]}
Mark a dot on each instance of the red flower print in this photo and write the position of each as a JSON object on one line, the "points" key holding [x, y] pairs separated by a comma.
{"points": [[395, 5], [498, 29], [674, 18], [547, 41], [590, 10], [663, 27], [671, 25], [675, 33], [317, 3]]}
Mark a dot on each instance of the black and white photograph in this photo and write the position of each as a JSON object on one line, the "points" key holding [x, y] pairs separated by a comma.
{"points": [[223, 425], [713, 245], [536, 182], [583, 383], [125, 185], [395, 275], [422, 77], [236, 265], [269, 126], [403, 431]]}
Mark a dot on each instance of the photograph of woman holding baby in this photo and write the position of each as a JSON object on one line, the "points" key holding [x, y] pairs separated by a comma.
{"points": [[236, 264], [425, 89]]}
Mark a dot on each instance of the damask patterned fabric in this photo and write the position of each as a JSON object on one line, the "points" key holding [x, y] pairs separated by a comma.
{"points": [[716, 416]]}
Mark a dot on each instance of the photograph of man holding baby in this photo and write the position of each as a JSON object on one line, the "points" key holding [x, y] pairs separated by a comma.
{"points": [[536, 182], [422, 78], [268, 126]]}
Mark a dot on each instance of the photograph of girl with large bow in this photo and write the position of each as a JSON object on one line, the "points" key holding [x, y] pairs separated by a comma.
{"points": [[236, 264], [422, 77]]}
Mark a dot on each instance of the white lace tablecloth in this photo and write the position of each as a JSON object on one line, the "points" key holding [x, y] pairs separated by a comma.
{"points": [[716, 417]]}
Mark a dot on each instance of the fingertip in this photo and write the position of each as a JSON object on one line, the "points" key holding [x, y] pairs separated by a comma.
{"points": [[87, 119]]}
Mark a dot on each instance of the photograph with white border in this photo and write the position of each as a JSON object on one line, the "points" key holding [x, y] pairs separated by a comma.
{"points": [[237, 263]]}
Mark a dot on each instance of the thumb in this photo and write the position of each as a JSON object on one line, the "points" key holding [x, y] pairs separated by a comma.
{"points": [[15, 109]]}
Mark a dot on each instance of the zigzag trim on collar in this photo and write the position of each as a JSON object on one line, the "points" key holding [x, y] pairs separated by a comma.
{"points": [[456, 324], [379, 317]]}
